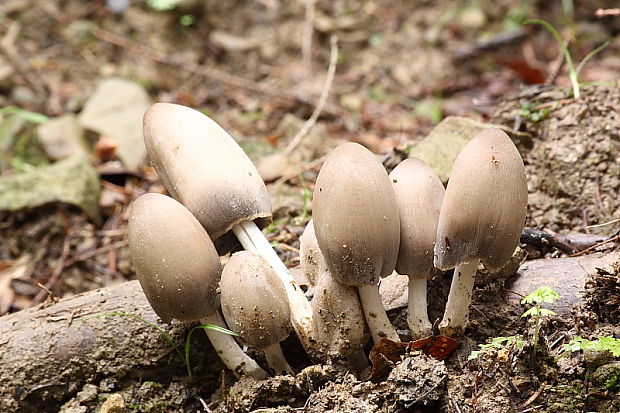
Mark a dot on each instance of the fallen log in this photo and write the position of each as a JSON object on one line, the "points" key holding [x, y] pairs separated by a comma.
{"points": [[47, 353]]}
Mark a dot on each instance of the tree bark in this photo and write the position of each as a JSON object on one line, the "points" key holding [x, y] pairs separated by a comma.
{"points": [[47, 353]]}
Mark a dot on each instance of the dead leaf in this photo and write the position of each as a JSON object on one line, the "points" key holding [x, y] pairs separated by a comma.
{"points": [[21, 268]]}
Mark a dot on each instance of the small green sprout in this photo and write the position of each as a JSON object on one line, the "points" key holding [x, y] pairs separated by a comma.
{"points": [[544, 294], [498, 343], [573, 72]]}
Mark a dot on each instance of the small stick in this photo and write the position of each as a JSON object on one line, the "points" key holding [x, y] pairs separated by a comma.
{"points": [[306, 45], [329, 79], [612, 239], [607, 12]]}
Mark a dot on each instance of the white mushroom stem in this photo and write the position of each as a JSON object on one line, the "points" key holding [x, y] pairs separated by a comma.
{"points": [[229, 351], [252, 239], [456, 314], [417, 317], [376, 317], [276, 359]]}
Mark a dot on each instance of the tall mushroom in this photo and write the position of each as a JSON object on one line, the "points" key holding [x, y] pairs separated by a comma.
{"points": [[356, 224], [419, 194], [338, 316], [179, 271], [482, 216], [254, 304], [203, 167]]}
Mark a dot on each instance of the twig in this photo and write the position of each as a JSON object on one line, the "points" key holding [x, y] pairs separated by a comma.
{"points": [[533, 396], [613, 221], [607, 12], [306, 45], [612, 239], [329, 79]]}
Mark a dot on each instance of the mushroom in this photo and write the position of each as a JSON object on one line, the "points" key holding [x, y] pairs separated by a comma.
{"points": [[357, 227], [419, 194], [482, 216], [203, 167], [254, 304], [338, 316], [310, 258], [179, 270], [339, 321]]}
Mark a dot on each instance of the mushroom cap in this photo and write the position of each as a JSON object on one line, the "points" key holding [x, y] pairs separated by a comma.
{"points": [[254, 302], [174, 258], [419, 194], [338, 317], [310, 256], [483, 210], [203, 167], [355, 216]]}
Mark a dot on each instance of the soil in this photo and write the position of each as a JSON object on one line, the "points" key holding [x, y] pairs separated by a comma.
{"points": [[400, 70]]}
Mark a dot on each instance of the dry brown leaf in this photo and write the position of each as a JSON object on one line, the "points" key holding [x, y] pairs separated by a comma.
{"points": [[21, 268]]}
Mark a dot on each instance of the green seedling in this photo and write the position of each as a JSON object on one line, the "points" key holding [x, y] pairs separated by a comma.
{"points": [[498, 343], [600, 344], [544, 294], [163, 5], [573, 72], [183, 354]]}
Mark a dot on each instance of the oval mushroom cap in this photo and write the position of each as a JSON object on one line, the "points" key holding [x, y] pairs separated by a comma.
{"points": [[254, 301], [355, 216], [483, 210], [203, 167], [419, 194], [311, 259], [174, 259]]}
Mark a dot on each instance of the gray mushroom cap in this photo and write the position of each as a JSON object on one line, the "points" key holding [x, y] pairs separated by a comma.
{"points": [[485, 204], [254, 302], [174, 259], [419, 194], [203, 167], [356, 217]]}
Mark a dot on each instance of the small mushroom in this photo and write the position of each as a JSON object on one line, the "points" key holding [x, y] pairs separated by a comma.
{"points": [[338, 316], [482, 216], [254, 304], [179, 270], [419, 194], [311, 259], [203, 167], [357, 227]]}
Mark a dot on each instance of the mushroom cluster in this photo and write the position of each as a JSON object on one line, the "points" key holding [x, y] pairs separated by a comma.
{"points": [[365, 225]]}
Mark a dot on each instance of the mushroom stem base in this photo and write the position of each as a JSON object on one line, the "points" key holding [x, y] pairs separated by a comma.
{"points": [[456, 314], [229, 351], [417, 317], [276, 360], [376, 317], [252, 239]]}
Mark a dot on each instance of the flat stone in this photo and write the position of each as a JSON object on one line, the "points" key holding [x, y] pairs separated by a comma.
{"points": [[115, 110], [61, 137], [71, 181], [441, 147]]}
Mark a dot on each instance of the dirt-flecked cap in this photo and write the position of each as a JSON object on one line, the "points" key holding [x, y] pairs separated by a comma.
{"points": [[203, 167], [254, 301], [483, 210], [419, 194], [355, 216], [174, 258]]}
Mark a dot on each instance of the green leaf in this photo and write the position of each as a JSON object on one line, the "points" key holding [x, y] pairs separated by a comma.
{"points": [[218, 329], [544, 294], [27, 115], [546, 312]]}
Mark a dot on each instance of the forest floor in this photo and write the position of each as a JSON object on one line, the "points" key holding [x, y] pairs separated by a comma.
{"points": [[404, 73]]}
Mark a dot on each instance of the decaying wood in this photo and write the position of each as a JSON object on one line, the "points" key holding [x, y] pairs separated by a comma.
{"points": [[47, 353]]}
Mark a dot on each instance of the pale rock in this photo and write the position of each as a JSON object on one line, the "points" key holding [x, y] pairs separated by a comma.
{"points": [[62, 137]]}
